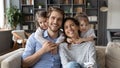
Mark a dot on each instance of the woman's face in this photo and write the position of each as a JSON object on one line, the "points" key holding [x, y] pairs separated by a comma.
{"points": [[71, 29]]}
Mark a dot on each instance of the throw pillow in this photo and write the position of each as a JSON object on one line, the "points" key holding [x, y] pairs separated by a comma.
{"points": [[113, 55]]}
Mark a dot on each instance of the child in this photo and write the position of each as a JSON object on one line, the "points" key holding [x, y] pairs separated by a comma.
{"points": [[86, 33], [41, 23]]}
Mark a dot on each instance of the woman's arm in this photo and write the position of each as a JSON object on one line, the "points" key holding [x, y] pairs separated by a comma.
{"points": [[64, 56], [92, 56]]}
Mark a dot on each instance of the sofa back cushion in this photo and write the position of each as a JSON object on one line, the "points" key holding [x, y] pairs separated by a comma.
{"points": [[100, 56], [113, 55]]}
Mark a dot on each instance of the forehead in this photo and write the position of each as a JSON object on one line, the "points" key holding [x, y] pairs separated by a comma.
{"points": [[83, 22], [56, 14], [41, 19], [68, 22]]}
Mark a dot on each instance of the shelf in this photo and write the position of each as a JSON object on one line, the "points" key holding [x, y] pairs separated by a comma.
{"points": [[70, 7], [25, 5], [91, 8]]}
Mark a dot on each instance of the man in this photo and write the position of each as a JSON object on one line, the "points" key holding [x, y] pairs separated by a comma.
{"points": [[39, 56]]}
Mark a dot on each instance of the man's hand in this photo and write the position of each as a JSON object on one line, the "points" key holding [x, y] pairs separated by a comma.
{"points": [[48, 46], [54, 51]]}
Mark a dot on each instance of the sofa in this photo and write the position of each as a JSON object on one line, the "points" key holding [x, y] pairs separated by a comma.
{"points": [[106, 57]]}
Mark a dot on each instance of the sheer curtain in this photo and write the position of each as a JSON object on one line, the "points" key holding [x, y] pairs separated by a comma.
{"points": [[1, 13]]}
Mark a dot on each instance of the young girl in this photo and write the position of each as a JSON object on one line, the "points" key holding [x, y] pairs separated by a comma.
{"points": [[41, 20], [41, 25], [86, 33]]}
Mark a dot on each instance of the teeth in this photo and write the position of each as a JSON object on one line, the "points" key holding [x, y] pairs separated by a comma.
{"points": [[71, 32], [54, 25]]}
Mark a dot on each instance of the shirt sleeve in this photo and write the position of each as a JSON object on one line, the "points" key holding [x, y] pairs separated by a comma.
{"points": [[30, 47], [63, 55], [91, 33], [92, 56], [38, 35]]}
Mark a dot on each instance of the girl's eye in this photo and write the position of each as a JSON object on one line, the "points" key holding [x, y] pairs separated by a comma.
{"points": [[72, 24], [81, 25], [53, 18]]}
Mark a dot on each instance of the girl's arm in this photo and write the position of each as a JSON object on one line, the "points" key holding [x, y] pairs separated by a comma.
{"points": [[60, 39], [39, 37], [90, 35]]}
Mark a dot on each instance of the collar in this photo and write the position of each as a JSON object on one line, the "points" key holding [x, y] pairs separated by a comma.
{"points": [[45, 34]]}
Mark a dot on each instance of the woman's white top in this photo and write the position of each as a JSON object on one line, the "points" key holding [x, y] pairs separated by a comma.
{"points": [[83, 53]]}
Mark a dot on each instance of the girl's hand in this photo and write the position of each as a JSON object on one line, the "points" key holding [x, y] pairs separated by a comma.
{"points": [[80, 40], [69, 40]]}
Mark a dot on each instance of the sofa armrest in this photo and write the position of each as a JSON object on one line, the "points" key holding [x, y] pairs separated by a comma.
{"points": [[100, 56], [13, 61], [9, 54]]}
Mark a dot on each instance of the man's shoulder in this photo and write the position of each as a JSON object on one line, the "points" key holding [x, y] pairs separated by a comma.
{"points": [[31, 37]]}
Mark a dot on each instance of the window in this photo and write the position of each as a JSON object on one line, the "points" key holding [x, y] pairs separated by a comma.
{"points": [[1, 13]]}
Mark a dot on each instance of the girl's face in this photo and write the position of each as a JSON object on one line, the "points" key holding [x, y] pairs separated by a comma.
{"points": [[43, 23], [83, 26], [71, 29]]}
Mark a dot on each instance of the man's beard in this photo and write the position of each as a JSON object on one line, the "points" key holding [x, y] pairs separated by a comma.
{"points": [[54, 30]]}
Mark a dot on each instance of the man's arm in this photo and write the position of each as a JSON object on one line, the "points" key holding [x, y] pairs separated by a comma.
{"points": [[30, 60]]}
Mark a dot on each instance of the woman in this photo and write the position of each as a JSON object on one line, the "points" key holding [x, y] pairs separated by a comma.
{"points": [[75, 55]]}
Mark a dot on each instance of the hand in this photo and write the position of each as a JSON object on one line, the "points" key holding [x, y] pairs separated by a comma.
{"points": [[48, 46], [54, 51], [69, 40], [78, 41]]}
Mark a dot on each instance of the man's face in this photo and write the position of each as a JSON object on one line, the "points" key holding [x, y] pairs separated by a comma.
{"points": [[55, 21]]}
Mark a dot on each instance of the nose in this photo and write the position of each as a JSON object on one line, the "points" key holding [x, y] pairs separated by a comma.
{"points": [[69, 28], [84, 26], [55, 21]]}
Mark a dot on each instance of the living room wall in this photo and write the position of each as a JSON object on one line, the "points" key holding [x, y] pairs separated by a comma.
{"points": [[113, 14]]}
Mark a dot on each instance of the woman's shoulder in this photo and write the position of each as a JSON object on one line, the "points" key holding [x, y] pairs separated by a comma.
{"points": [[88, 44], [63, 44]]}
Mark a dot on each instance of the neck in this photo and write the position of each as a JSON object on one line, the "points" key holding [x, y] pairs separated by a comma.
{"points": [[75, 39], [53, 34]]}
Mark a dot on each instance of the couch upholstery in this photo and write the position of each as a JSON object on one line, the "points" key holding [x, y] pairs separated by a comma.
{"points": [[103, 58], [12, 59]]}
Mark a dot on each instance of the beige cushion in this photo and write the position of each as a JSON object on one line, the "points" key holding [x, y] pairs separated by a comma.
{"points": [[13, 61], [100, 56], [113, 55], [9, 54]]}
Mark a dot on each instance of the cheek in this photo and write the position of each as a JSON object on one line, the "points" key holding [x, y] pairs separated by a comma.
{"points": [[66, 32]]}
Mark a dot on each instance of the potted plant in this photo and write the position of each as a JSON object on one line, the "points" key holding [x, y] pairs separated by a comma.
{"points": [[14, 16], [40, 5]]}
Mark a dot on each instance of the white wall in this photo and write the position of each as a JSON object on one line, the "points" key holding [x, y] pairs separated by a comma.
{"points": [[15, 3], [113, 14]]}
